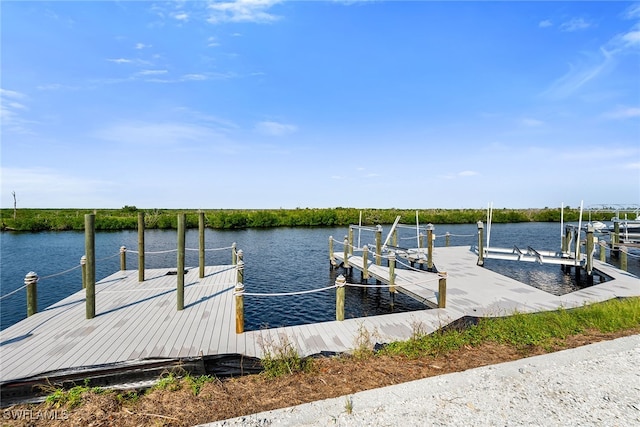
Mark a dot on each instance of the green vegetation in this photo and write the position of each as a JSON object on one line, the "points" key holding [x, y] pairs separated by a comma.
{"points": [[525, 330], [280, 359], [126, 218], [71, 398]]}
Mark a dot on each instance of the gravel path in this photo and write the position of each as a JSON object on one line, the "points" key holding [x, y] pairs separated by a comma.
{"points": [[593, 385]]}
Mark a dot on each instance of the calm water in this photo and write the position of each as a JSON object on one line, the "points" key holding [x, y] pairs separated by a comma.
{"points": [[277, 260]]}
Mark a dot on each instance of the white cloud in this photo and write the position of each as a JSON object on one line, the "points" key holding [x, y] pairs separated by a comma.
{"points": [[151, 72], [468, 173], [242, 11], [12, 108], [194, 77], [623, 113], [578, 75], [120, 60], [544, 24], [632, 12], [275, 128], [212, 42], [575, 24], [181, 16], [529, 122], [150, 133], [140, 46]]}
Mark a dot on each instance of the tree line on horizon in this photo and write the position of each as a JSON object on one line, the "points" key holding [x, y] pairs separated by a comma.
{"points": [[126, 218]]}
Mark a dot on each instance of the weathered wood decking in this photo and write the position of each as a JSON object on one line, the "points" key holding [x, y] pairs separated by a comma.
{"points": [[139, 320]]}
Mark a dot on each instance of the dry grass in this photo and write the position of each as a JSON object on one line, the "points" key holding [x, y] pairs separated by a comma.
{"points": [[329, 377]]}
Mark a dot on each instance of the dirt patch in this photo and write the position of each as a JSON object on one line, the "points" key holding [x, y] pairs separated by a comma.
{"points": [[221, 399]]}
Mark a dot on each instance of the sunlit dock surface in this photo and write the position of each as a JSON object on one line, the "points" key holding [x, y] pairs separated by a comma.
{"points": [[138, 321]]}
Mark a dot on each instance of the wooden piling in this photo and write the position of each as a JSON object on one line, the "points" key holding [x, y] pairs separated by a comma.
{"points": [[394, 237], [421, 241], [603, 251], [332, 259], [350, 241], [180, 261], [31, 280], [345, 261], [480, 243], [379, 245], [83, 268], [392, 272], [590, 249], [365, 263], [340, 296], [430, 247], [615, 240], [240, 267], [90, 252], [447, 239], [239, 295], [123, 258], [140, 246], [234, 254], [442, 290], [623, 258], [201, 258]]}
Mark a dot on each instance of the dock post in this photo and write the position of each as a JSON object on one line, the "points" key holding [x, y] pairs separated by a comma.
{"points": [[201, 259], [394, 237], [90, 252], [578, 249], [615, 240], [239, 293], [590, 249], [31, 280], [123, 258], [345, 261], [379, 245], [240, 267], [623, 258], [603, 251], [340, 282], [181, 253], [392, 276], [480, 243], [332, 260], [447, 239], [234, 254], [83, 268], [365, 263], [421, 241], [430, 247], [442, 290], [140, 246], [565, 240], [350, 241]]}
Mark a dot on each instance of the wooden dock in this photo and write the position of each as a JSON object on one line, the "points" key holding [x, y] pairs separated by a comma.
{"points": [[138, 321]]}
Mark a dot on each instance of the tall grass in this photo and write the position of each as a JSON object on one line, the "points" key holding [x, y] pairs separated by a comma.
{"points": [[525, 330]]}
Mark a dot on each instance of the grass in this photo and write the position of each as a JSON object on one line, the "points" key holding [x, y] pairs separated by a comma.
{"points": [[524, 330], [179, 398]]}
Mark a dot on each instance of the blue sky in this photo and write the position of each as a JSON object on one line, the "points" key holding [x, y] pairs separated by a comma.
{"points": [[269, 104]]}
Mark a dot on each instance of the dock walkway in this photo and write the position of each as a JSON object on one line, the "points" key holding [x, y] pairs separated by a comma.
{"points": [[138, 321]]}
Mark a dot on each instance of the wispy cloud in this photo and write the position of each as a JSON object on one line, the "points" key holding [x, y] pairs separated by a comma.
{"points": [[591, 66], [529, 122], [275, 128], [242, 11], [544, 24], [12, 107], [212, 42], [140, 46], [151, 72], [120, 60], [622, 113], [575, 24], [181, 16], [632, 12], [468, 173]]}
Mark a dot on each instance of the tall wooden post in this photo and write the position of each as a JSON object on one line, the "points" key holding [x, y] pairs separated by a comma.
{"points": [[379, 245], [31, 280], [90, 252], [480, 243], [240, 267], [123, 258], [623, 258], [421, 241], [239, 295], [140, 246], [590, 249], [331, 257], [345, 261], [447, 239], [442, 290], [234, 254], [394, 238], [578, 249], [201, 259], [603, 251], [181, 256], [340, 295], [615, 240], [350, 241], [430, 246], [392, 276], [83, 268], [365, 262]]}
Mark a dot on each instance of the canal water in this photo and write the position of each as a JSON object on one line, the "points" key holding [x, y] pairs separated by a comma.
{"points": [[276, 260]]}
